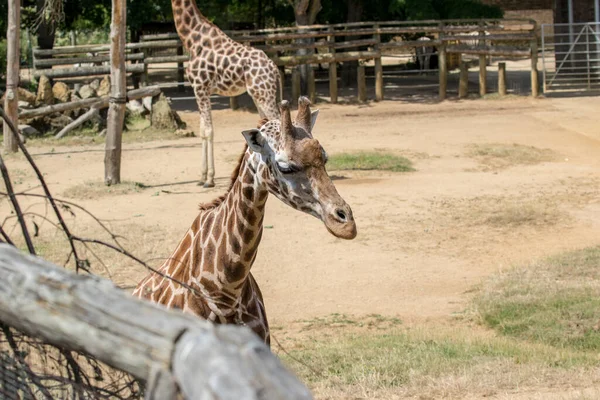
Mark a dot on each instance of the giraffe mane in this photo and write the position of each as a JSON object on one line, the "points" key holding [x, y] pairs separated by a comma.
{"points": [[234, 175]]}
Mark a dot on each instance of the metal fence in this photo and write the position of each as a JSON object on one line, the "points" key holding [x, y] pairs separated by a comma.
{"points": [[571, 57]]}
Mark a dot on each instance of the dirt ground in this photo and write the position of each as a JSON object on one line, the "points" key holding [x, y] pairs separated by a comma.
{"points": [[425, 237]]}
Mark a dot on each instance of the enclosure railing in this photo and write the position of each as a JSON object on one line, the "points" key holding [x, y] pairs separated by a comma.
{"points": [[339, 43], [170, 352]]}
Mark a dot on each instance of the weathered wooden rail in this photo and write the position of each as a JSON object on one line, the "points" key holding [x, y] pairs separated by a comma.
{"points": [[172, 352], [339, 43]]}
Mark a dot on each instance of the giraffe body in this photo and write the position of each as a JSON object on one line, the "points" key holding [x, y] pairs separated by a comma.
{"points": [[209, 272], [219, 65]]}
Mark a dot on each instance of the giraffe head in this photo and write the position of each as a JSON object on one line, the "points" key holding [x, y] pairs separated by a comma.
{"points": [[293, 168]]}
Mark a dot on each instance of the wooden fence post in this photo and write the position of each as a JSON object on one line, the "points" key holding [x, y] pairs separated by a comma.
{"points": [[443, 64], [116, 111], [11, 101], [502, 79], [361, 83], [312, 90], [463, 84], [378, 67], [535, 88], [180, 70], [295, 84], [482, 65], [333, 86]]}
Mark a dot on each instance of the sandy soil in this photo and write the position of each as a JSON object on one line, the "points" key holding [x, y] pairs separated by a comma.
{"points": [[423, 238]]}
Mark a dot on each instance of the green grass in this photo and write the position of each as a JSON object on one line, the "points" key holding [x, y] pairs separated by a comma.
{"points": [[555, 302], [367, 161]]}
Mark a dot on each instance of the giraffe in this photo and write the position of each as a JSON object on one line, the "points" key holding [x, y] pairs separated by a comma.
{"points": [[214, 258], [219, 65]]}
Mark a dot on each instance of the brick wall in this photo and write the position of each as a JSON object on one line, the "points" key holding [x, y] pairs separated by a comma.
{"points": [[513, 5]]}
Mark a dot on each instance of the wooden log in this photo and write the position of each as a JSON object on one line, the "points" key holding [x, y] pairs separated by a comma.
{"points": [[118, 79], [98, 102], [233, 103], [180, 59], [74, 60], [502, 79], [410, 44], [361, 84], [378, 69], [312, 90], [489, 50], [11, 98], [333, 84], [295, 84], [500, 38], [85, 71], [463, 83], [535, 84], [442, 66], [89, 314], [91, 113], [316, 45], [291, 61], [161, 44]]}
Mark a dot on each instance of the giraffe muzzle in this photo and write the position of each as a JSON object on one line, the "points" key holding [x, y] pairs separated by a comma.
{"points": [[340, 222]]}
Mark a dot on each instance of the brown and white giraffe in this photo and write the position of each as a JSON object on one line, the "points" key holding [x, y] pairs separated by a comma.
{"points": [[219, 65], [214, 258]]}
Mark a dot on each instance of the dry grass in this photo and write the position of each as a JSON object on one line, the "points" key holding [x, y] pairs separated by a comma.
{"points": [[496, 156], [94, 190], [426, 362]]}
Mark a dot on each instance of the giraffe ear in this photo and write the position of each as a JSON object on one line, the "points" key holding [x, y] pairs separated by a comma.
{"points": [[255, 140], [313, 118]]}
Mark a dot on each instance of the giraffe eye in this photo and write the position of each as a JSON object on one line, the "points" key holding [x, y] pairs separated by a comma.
{"points": [[285, 168]]}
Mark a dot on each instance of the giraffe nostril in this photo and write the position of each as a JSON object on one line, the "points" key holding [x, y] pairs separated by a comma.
{"points": [[341, 215]]}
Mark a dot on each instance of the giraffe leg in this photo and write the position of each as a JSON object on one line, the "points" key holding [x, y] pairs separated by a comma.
{"points": [[207, 163]]}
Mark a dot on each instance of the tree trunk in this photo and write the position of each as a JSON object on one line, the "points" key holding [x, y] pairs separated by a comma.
{"points": [[354, 14], [45, 32], [116, 111], [11, 102], [306, 13]]}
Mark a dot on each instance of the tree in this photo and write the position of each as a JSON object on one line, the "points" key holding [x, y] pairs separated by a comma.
{"points": [[12, 74], [305, 12]]}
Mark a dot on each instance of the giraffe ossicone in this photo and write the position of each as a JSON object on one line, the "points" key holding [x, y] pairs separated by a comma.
{"points": [[209, 272], [219, 65]]}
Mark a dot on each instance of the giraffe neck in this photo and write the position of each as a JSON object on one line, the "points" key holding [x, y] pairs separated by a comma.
{"points": [[189, 20], [241, 227]]}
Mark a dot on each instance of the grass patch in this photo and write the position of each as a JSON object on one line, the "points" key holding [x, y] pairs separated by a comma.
{"points": [[94, 189], [425, 362], [513, 214], [499, 156], [556, 301], [369, 161]]}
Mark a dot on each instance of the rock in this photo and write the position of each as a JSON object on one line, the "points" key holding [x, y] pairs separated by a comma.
{"points": [[26, 95], [61, 92], [44, 93], [147, 102], [87, 91], [135, 107], [23, 105], [29, 131], [184, 133], [59, 121], [163, 117], [104, 88], [95, 84]]}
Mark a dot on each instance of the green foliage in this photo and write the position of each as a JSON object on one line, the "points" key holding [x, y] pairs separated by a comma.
{"points": [[369, 161], [2, 58]]}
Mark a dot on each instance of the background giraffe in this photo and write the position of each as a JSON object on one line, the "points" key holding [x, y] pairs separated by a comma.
{"points": [[222, 66], [215, 256]]}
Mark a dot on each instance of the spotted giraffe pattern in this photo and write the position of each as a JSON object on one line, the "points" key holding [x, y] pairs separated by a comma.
{"points": [[208, 274], [219, 65]]}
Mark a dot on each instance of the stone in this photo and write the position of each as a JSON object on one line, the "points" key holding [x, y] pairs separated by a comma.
{"points": [[61, 92], [162, 115], [23, 105], [135, 107], [26, 95], [87, 91], [59, 121], [147, 102], [28, 131], [95, 84], [184, 133], [104, 88], [44, 93]]}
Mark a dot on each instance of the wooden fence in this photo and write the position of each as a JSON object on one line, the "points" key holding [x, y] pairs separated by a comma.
{"points": [[334, 44], [170, 351]]}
